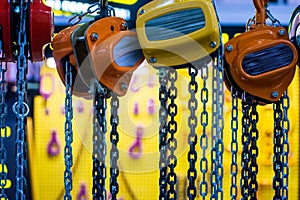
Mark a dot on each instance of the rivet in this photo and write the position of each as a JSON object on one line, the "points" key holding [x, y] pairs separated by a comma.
{"points": [[142, 11], [229, 48], [94, 37], [213, 44], [275, 94], [124, 86], [281, 32], [124, 25], [153, 60]]}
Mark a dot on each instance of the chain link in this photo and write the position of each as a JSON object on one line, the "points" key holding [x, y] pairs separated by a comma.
{"points": [[253, 187], [99, 144], [234, 143], [163, 132], [278, 151], [114, 152], [172, 129], [285, 102], [21, 108], [68, 182], [3, 128], [204, 136], [192, 138]]}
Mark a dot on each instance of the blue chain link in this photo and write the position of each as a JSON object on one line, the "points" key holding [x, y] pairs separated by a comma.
{"points": [[3, 128], [285, 102], [234, 143], [204, 136], [21, 108], [68, 155]]}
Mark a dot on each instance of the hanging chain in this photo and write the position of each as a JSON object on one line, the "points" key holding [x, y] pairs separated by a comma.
{"points": [[3, 129], [163, 132], [21, 108], [114, 152], [204, 137], [99, 144], [285, 102], [68, 132], [253, 170], [234, 144], [192, 138], [245, 160], [172, 129], [278, 151]]}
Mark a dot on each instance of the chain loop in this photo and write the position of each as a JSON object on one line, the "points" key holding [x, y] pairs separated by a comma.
{"points": [[114, 152], [192, 138], [99, 143], [68, 155], [163, 132]]}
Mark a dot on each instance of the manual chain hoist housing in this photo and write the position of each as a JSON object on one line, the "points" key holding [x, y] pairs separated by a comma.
{"points": [[178, 32], [294, 29], [104, 50], [41, 29], [261, 61]]}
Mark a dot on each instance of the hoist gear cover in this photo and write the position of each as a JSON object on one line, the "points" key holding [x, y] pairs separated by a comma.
{"points": [[178, 32], [261, 61], [294, 29]]}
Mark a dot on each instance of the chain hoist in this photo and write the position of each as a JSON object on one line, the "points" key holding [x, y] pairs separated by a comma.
{"points": [[258, 79], [3, 128]]}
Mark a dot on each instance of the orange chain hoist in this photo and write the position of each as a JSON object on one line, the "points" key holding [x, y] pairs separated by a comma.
{"points": [[294, 29], [262, 60], [40, 32], [103, 50]]}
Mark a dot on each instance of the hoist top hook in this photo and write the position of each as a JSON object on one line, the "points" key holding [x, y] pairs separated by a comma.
{"points": [[260, 6]]}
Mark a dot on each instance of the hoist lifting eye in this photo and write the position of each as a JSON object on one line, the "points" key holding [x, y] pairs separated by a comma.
{"points": [[40, 31], [103, 50], [261, 61], [176, 33], [294, 29]]}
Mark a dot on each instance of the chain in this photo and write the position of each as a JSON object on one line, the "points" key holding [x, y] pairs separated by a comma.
{"points": [[234, 143], [21, 108], [285, 102], [172, 129], [163, 132], [278, 151], [246, 123], [99, 144], [204, 137], [253, 187], [68, 132], [3, 129], [114, 152], [192, 138]]}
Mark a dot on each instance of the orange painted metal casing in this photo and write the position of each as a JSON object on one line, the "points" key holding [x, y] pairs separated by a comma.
{"points": [[5, 31], [260, 37]]}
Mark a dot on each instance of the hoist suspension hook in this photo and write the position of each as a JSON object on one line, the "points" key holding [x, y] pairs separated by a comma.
{"points": [[260, 10]]}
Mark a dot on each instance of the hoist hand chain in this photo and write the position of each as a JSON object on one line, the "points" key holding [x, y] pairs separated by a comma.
{"points": [[99, 144], [204, 136], [245, 160], [172, 129], [285, 103], [163, 132], [20, 108], [278, 151], [68, 155], [114, 152], [192, 138], [234, 144], [254, 134], [3, 129]]}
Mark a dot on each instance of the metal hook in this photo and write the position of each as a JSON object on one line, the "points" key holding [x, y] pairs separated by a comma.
{"points": [[260, 10]]}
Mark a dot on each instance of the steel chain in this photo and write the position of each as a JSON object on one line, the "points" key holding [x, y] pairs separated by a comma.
{"points": [[21, 108], [234, 143], [3, 128], [192, 138], [245, 159], [285, 103], [99, 143], [254, 134], [278, 151], [114, 152], [163, 133], [204, 137], [68, 155], [172, 129]]}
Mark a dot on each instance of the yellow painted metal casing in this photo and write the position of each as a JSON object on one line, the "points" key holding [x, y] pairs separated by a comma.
{"points": [[177, 32]]}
